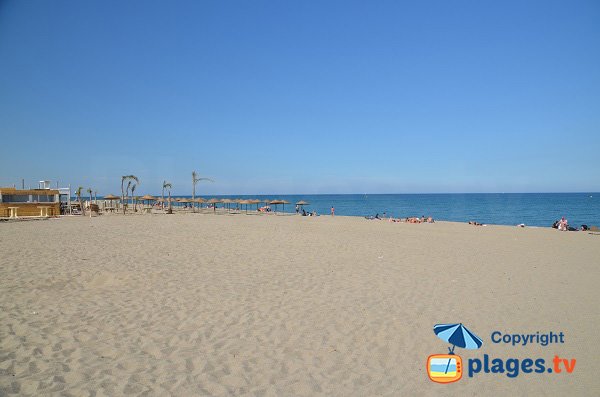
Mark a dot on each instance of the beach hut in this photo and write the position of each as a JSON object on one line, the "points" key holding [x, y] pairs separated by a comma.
{"points": [[16, 203]]}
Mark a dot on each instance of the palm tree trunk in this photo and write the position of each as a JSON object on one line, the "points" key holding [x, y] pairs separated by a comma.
{"points": [[194, 198], [123, 195]]}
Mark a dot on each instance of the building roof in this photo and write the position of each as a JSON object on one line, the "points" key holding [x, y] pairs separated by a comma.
{"points": [[41, 192]]}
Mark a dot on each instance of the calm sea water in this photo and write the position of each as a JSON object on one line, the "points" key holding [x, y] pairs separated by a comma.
{"points": [[535, 209]]}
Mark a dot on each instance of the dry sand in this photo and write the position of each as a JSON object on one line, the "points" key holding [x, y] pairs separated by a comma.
{"points": [[282, 305]]}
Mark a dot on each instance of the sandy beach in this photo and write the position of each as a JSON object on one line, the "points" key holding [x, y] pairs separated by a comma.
{"points": [[249, 305]]}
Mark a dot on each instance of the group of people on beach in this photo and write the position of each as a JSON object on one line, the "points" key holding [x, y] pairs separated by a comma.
{"points": [[563, 225], [310, 213], [413, 219]]}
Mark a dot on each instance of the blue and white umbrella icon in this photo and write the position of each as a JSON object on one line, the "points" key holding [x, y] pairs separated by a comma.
{"points": [[457, 335]]}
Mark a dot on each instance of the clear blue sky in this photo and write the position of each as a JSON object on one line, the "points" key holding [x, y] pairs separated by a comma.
{"points": [[302, 96]]}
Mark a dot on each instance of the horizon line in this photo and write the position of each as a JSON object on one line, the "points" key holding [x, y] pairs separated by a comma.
{"points": [[371, 194]]}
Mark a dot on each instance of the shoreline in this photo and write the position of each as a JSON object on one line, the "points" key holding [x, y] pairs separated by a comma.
{"points": [[536, 209], [221, 212]]}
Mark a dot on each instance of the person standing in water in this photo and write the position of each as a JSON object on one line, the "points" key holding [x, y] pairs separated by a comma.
{"points": [[332, 211]]}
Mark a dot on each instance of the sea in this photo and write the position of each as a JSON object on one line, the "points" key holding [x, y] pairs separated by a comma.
{"points": [[532, 209]]}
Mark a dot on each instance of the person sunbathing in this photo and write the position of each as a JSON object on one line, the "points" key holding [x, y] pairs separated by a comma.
{"points": [[563, 225], [475, 223], [371, 217]]}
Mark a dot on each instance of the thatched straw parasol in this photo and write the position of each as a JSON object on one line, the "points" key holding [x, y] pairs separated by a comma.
{"points": [[214, 202], [245, 202], [112, 198], [275, 203], [200, 200], [255, 201], [228, 202], [147, 198], [183, 200], [302, 203]]}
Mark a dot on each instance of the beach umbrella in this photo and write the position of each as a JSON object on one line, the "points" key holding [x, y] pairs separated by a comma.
{"points": [[148, 198], [275, 202], [214, 202], [111, 197], [457, 335], [200, 200], [241, 202], [228, 202], [302, 203], [244, 202], [255, 201], [284, 202], [184, 201]]}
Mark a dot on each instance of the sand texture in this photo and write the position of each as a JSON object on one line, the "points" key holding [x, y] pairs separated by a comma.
{"points": [[251, 305]]}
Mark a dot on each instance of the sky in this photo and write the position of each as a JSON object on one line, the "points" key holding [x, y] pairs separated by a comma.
{"points": [[302, 96]]}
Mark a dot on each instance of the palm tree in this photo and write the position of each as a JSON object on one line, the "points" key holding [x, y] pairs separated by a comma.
{"points": [[133, 199], [127, 193], [78, 195], [89, 191], [123, 179], [195, 180], [166, 185]]}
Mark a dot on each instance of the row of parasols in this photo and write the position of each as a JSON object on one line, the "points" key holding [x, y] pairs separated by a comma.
{"points": [[227, 203]]}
